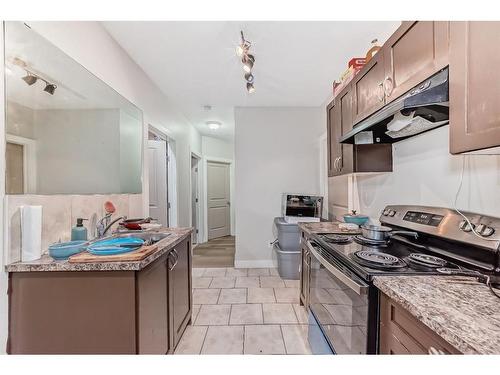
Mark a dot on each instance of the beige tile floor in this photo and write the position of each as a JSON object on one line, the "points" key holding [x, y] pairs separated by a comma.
{"points": [[245, 311]]}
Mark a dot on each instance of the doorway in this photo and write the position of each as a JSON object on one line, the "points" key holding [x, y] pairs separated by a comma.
{"points": [[218, 200], [195, 199], [158, 158]]}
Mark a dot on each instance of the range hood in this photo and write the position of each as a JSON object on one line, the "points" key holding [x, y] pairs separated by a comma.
{"points": [[423, 108]]}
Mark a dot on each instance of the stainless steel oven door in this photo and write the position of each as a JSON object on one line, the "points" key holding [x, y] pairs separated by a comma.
{"points": [[339, 302]]}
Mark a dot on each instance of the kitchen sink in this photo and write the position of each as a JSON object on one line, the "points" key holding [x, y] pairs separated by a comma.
{"points": [[148, 237]]}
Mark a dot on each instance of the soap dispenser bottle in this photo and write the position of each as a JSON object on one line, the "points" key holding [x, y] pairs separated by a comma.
{"points": [[79, 232]]}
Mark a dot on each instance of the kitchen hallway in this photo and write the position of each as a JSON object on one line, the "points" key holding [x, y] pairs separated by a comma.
{"points": [[245, 311], [218, 252]]}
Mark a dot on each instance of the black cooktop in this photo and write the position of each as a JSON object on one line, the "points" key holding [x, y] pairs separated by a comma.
{"points": [[368, 260]]}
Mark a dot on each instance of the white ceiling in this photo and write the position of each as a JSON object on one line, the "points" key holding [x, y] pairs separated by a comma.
{"points": [[194, 63]]}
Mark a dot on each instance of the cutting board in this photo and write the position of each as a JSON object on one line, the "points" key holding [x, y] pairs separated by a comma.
{"points": [[133, 256]]}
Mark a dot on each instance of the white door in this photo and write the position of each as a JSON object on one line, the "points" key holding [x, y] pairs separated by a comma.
{"points": [[158, 198], [218, 200]]}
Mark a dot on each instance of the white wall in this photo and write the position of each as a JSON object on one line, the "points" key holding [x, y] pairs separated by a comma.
{"points": [[425, 173], [214, 147], [276, 151]]}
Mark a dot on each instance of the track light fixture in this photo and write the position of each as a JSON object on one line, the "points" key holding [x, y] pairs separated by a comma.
{"points": [[248, 60], [31, 78]]}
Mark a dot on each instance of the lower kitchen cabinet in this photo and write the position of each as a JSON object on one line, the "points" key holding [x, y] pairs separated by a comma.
{"points": [[102, 312], [402, 333], [179, 286]]}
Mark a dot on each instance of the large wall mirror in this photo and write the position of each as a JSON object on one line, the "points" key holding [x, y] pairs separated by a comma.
{"points": [[67, 132]]}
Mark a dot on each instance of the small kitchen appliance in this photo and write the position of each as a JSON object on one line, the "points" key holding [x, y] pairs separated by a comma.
{"points": [[344, 303]]}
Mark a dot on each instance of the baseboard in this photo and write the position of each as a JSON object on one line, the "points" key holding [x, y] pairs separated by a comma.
{"points": [[263, 263]]}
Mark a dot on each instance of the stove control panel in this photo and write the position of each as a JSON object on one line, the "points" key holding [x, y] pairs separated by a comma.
{"points": [[445, 223], [423, 218]]}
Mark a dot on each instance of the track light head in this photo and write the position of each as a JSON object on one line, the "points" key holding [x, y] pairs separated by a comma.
{"points": [[248, 61], [50, 88], [30, 79], [250, 88], [249, 77]]}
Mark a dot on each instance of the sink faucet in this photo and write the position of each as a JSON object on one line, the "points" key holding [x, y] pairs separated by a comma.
{"points": [[105, 224]]}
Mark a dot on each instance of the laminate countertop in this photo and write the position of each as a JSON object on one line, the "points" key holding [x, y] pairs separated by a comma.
{"points": [[325, 227], [461, 310], [47, 264]]}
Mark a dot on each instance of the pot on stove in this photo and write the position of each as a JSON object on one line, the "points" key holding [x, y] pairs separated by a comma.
{"points": [[383, 233]]}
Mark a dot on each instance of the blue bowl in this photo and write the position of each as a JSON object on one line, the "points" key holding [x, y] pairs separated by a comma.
{"points": [[356, 219], [64, 250]]}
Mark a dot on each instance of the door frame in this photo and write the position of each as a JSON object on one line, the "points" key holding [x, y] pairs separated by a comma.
{"points": [[29, 161], [204, 193], [199, 222], [172, 198]]}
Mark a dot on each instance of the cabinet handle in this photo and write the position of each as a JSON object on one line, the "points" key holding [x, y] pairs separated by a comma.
{"points": [[380, 91], [340, 163], [176, 257], [388, 86]]}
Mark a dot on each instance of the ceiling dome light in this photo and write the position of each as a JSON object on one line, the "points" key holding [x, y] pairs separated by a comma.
{"points": [[250, 88], [213, 125], [30, 79], [248, 61], [249, 77], [50, 88]]}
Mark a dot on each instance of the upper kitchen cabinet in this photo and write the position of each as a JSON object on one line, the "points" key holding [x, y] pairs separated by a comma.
{"points": [[474, 86], [417, 50], [368, 91], [347, 158]]}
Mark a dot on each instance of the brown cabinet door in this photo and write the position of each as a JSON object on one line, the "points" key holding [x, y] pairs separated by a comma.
{"points": [[474, 86], [416, 51], [345, 163], [367, 86], [152, 308], [335, 131], [180, 289], [331, 142]]}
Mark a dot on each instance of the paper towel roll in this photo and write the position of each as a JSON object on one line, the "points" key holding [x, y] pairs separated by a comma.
{"points": [[31, 233]]}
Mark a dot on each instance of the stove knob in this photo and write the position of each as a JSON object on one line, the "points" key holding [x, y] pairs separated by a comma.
{"points": [[386, 212], [464, 225], [392, 213], [487, 231], [480, 228]]}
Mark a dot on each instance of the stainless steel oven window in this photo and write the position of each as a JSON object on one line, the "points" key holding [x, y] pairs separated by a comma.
{"points": [[340, 305]]}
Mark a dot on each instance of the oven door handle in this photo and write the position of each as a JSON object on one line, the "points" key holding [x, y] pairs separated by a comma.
{"points": [[358, 288]]}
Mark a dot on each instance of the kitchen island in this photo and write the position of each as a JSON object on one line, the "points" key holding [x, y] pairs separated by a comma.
{"points": [[460, 310], [121, 307]]}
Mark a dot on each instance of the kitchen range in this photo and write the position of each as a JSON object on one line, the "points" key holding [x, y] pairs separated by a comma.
{"points": [[343, 303]]}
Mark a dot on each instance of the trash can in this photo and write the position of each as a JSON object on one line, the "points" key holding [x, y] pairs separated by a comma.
{"points": [[287, 248], [288, 263]]}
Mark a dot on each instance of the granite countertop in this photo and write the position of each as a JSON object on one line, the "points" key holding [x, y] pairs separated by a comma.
{"points": [[46, 263], [461, 310], [324, 227]]}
